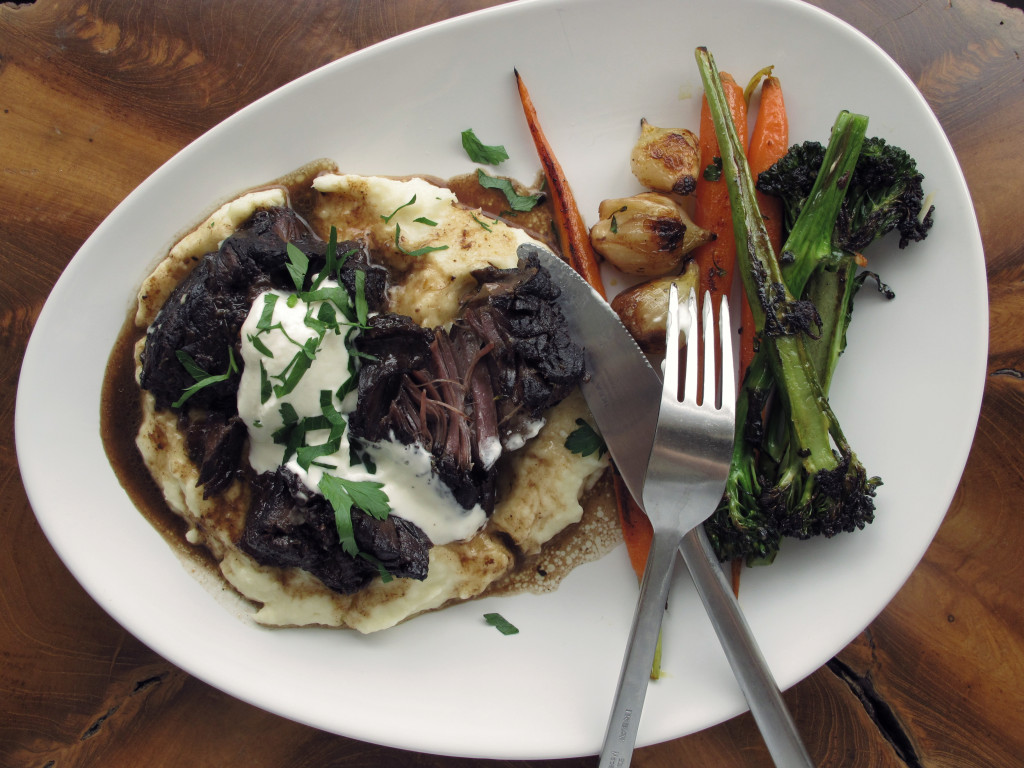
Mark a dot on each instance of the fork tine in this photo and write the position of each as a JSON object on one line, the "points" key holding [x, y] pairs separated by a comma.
{"points": [[692, 347], [671, 373], [727, 395], [710, 369]]}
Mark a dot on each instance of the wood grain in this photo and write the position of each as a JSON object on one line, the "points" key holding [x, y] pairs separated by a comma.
{"points": [[96, 94]]}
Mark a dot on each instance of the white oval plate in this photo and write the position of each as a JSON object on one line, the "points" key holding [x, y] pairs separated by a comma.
{"points": [[908, 392]]}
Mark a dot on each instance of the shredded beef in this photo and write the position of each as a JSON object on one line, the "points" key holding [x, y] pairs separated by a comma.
{"points": [[484, 383], [214, 442]]}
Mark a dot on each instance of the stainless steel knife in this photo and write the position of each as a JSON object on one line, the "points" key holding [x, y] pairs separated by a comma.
{"points": [[622, 388]]}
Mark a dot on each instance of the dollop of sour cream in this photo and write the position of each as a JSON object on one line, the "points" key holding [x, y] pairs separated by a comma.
{"points": [[271, 340]]}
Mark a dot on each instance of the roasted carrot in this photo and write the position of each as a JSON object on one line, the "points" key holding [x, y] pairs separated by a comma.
{"points": [[636, 528], [769, 141], [712, 211], [573, 235], [637, 534]]}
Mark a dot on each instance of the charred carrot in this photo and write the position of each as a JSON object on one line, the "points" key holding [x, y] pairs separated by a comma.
{"points": [[717, 259], [769, 141], [637, 534], [573, 235], [636, 528]]}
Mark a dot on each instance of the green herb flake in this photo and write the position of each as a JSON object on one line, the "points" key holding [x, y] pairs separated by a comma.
{"points": [[306, 454], [331, 414], [488, 154], [713, 172], [343, 495], [481, 222], [203, 379], [341, 502], [425, 220], [419, 251], [362, 306], [298, 265], [259, 346], [294, 371], [331, 259], [500, 623], [387, 219], [266, 320], [585, 440], [381, 570], [266, 389], [517, 202]]}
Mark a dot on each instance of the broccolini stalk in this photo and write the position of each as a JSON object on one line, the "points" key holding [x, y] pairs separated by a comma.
{"points": [[809, 244], [809, 479]]}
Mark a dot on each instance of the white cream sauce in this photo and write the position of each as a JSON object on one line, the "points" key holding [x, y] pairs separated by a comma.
{"points": [[413, 491]]}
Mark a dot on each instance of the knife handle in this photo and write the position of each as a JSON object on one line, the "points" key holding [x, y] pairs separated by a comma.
{"points": [[752, 673]]}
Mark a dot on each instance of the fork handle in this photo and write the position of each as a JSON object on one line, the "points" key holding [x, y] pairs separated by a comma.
{"points": [[620, 737], [755, 679]]}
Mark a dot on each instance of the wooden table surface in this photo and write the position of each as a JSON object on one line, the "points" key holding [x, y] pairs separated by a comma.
{"points": [[96, 94]]}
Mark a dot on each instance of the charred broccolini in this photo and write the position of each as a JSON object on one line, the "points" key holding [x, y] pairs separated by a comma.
{"points": [[793, 471]]}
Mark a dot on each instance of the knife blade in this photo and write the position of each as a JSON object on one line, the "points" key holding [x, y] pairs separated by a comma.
{"points": [[622, 389]]}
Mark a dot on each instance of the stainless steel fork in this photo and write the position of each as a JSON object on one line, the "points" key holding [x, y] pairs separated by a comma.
{"points": [[686, 475], [689, 463]]}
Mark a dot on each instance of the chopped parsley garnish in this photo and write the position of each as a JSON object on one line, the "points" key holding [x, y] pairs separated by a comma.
{"points": [[481, 222], [387, 219], [298, 265], [260, 347], [517, 202], [343, 495], [419, 251], [585, 440], [713, 171], [488, 154], [500, 623], [615, 222], [203, 379]]}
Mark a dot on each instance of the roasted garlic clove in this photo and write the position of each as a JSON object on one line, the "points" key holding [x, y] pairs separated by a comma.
{"points": [[666, 159], [643, 308], [647, 234]]}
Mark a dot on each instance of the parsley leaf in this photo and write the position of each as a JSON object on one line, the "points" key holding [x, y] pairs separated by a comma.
{"points": [[713, 171], [585, 440], [387, 219], [489, 154], [419, 251], [335, 493], [517, 202], [343, 495], [266, 321], [331, 259], [500, 623], [203, 379], [266, 390], [298, 265]]}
